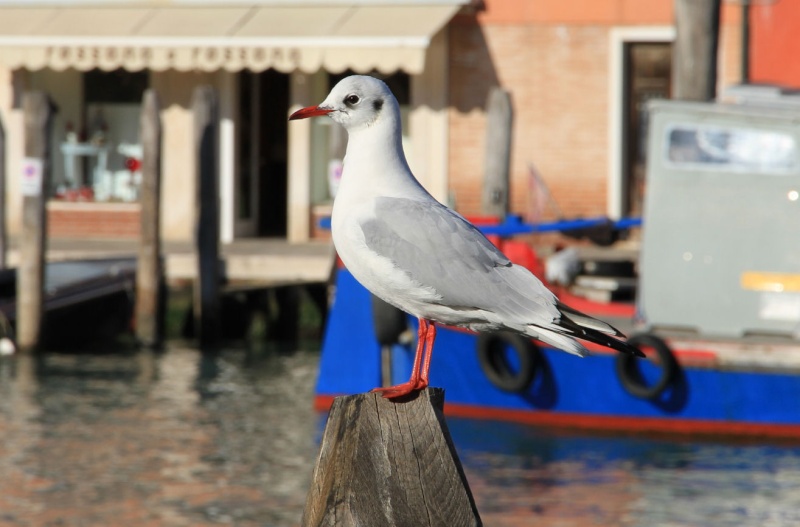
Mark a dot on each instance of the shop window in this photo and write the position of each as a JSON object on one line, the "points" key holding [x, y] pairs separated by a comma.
{"points": [[102, 153]]}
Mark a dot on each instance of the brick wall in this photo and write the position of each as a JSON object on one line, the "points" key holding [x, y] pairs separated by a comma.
{"points": [[557, 76], [554, 59], [93, 220]]}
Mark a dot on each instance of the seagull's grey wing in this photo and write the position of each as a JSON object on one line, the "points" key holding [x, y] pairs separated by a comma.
{"points": [[438, 248]]}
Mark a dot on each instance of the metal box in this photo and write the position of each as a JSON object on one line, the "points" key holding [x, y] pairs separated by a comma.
{"points": [[721, 239]]}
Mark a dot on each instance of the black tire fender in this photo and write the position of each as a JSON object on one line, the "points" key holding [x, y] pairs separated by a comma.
{"points": [[630, 376], [493, 359], [389, 322]]}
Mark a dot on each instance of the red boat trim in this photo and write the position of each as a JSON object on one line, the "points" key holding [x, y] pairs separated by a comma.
{"points": [[323, 403], [639, 425], [592, 308]]}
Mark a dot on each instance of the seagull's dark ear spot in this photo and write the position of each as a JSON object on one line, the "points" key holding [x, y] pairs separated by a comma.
{"points": [[377, 104]]}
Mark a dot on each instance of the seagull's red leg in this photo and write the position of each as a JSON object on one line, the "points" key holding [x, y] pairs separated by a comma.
{"points": [[420, 353], [419, 370], [430, 337]]}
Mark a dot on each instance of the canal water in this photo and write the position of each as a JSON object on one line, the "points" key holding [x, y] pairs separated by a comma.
{"points": [[179, 438]]}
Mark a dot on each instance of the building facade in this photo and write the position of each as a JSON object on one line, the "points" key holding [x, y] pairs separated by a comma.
{"points": [[774, 43], [264, 59], [578, 74]]}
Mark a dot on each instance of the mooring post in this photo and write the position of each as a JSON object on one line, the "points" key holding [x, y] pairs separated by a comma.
{"points": [[206, 288], [694, 52], [149, 269], [38, 111], [391, 464], [3, 207], [499, 127]]}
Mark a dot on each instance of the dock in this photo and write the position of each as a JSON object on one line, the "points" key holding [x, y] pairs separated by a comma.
{"points": [[255, 262], [94, 280]]}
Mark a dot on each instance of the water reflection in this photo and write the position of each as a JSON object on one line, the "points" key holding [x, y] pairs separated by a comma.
{"points": [[156, 439], [180, 438], [527, 476]]}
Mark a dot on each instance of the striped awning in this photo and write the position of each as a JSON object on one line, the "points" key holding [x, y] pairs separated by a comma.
{"points": [[285, 37]]}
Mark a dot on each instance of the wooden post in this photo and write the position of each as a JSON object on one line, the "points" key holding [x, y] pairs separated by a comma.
{"points": [[499, 122], [149, 271], [391, 464], [206, 288], [3, 207], [38, 112], [287, 325], [694, 55]]}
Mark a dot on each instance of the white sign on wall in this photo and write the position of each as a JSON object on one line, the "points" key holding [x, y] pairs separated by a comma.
{"points": [[32, 174]]}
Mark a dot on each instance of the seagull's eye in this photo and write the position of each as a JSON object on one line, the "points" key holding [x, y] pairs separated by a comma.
{"points": [[351, 100]]}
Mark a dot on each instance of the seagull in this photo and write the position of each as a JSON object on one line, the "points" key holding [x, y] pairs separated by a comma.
{"points": [[420, 256]]}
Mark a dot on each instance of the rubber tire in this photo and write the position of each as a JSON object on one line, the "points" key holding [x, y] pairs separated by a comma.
{"points": [[493, 362], [630, 377], [389, 322]]}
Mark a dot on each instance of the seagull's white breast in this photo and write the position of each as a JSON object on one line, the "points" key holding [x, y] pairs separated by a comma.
{"points": [[380, 275]]}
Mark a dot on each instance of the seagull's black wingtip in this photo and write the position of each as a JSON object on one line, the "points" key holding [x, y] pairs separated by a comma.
{"points": [[598, 337], [630, 349], [611, 342]]}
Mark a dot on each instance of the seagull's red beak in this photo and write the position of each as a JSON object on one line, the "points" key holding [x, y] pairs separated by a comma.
{"points": [[311, 111]]}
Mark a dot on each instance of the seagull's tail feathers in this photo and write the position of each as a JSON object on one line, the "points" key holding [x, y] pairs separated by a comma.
{"points": [[575, 325], [559, 340]]}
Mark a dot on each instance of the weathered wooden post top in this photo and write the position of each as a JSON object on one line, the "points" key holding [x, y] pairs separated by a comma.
{"points": [[389, 464]]}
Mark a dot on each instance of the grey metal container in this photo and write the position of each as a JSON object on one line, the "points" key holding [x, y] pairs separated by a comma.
{"points": [[721, 239]]}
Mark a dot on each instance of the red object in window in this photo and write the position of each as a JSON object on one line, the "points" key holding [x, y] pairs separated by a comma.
{"points": [[85, 194], [133, 164]]}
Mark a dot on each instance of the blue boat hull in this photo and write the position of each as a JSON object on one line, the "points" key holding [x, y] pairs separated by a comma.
{"points": [[566, 390]]}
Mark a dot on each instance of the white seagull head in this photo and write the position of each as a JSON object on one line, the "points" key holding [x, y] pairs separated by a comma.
{"points": [[355, 102]]}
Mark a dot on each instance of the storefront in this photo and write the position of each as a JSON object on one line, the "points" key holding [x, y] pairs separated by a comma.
{"points": [[263, 60]]}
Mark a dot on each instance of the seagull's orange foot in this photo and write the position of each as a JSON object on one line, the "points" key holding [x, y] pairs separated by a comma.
{"points": [[401, 390]]}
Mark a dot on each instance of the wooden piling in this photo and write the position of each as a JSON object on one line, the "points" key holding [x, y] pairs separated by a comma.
{"points": [[499, 122], [391, 464], [38, 113], [206, 147], [3, 207], [694, 53], [149, 270]]}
